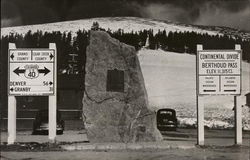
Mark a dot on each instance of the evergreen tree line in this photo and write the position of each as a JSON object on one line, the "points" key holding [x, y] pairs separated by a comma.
{"points": [[182, 42], [67, 44]]}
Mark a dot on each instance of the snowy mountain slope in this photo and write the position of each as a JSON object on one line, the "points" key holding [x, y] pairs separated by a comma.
{"points": [[170, 80], [113, 23]]}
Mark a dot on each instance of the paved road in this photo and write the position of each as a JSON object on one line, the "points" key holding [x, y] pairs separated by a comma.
{"points": [[68, 136], [219, 146], [212, 137], [170, 154]]}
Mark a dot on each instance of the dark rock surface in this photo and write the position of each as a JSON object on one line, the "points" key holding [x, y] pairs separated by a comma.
{"points": [[116, 116]]}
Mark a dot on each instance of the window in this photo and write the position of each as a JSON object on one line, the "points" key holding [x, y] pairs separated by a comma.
{"points": [[115, 80]]}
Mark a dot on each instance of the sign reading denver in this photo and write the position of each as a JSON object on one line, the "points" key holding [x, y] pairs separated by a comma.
{"points": [[219, 72], [31, 72]]}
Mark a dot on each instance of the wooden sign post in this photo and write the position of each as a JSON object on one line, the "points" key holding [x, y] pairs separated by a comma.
{"points": [[53, 102], [218, 73], [200, 111], [31, 72]]}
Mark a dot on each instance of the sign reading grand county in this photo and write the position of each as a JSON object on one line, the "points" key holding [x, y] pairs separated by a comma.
{"points": [[31, 72], [219, 72]]}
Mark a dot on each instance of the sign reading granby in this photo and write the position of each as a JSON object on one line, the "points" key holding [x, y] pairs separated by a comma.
{"points": [[219, 72], [31, 72]]}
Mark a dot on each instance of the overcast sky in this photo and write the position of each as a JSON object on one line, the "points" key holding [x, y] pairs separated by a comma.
{"points": [[231, 13]]}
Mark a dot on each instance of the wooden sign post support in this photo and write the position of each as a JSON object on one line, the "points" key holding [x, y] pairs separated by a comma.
{"points": [[200, 111], [11, 112], [238, 113], [53, 101]]}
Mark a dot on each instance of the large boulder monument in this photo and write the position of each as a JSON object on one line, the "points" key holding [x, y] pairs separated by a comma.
{"points": [[115, 102]]}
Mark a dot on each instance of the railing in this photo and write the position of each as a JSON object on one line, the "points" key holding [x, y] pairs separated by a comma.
{"points": [[29, 114]]}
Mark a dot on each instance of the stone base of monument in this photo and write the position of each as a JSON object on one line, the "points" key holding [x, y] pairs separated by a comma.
{"points": [[115, 103]]}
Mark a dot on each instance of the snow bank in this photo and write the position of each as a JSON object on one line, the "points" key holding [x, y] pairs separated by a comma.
{"points": [[170, 80]]}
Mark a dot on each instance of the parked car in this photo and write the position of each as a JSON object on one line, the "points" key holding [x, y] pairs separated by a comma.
{"points": [[166, 119], [41, 125]]}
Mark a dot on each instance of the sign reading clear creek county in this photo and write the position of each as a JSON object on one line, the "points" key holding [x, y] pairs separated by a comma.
{"points": [[31, 72], [219, 72]]}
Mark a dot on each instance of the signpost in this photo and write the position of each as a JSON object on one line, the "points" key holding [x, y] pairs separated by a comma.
{"points": [[218, 73], [32, 72]]}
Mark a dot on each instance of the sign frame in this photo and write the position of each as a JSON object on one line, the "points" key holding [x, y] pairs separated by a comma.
{"points": [[52, 103], [33, 62], [198, 75], [200, 102]]}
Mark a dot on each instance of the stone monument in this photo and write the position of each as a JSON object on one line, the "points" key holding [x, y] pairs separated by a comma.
{"points": [[115, 102]]}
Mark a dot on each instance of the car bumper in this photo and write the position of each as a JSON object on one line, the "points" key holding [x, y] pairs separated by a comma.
{"points": [[167, 125], [45, 130]]}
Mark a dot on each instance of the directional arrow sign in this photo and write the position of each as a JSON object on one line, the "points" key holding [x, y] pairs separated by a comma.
{"points": [[51, 56], [31, 72], [18, 71], [45, 70], [12, 56], [233, 90], [205, 90]]}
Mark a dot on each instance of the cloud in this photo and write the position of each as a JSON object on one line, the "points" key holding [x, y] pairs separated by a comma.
{"points": [[168, 12], [232, 13], [223, 13], [25, 12], [212, 15], [10, 18], [11, 21]]}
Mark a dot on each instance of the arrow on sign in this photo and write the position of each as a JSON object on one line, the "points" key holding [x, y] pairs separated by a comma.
{"points": [[45, 71], [12, 56], [230, 90], [11, 89], [51, 56], [209, 90], [18, 71]]}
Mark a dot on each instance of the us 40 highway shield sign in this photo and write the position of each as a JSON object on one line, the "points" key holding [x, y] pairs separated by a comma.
{"points": [[31, 72], [219, 72]]}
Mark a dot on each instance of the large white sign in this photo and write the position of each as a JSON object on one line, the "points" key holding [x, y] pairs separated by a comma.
{"points": [[219, 72], [31, 72]]}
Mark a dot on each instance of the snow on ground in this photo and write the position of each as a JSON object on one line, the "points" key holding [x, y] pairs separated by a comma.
{"points": [[170, 80], [113, 23]]}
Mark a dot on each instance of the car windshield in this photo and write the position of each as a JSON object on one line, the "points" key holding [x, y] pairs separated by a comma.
{"points": [[166, 113]]}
